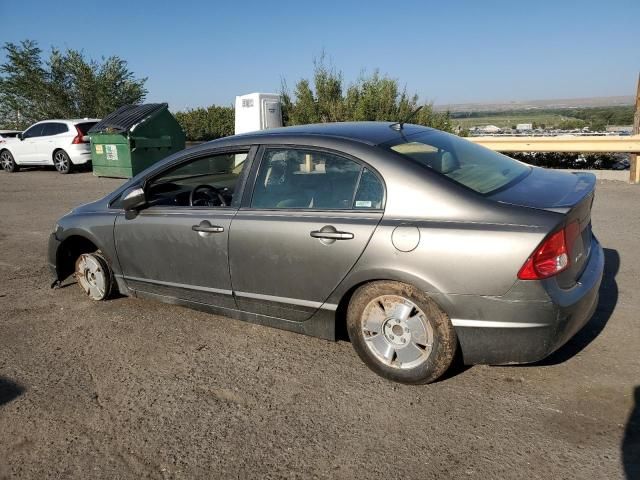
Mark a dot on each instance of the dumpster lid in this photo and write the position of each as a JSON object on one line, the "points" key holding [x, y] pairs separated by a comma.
{"points": [[127, 116]]}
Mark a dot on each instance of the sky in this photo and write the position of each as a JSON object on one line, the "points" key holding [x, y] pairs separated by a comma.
{"points": [[199, 53]]}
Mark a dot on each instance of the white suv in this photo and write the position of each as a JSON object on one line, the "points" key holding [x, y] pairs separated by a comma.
{"points": [[61, 143]]}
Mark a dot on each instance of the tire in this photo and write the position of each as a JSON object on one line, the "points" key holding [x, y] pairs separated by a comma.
{"points": [[62, 162], [400, 333], [9, 165], [94, 276]]}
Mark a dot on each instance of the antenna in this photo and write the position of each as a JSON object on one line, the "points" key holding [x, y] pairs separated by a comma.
{"points": [[398, 125]]}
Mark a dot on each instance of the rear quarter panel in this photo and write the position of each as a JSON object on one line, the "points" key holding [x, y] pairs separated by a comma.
{"points": [[467, 243]]}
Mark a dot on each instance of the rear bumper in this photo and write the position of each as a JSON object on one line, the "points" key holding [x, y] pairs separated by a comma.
{"points": [[79, 154], [531, 322]]}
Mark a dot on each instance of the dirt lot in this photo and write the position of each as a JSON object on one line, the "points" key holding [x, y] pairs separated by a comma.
{"points": [[130, 388]]}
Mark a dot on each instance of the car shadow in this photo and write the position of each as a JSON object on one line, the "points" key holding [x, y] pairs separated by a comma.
{"points": [[631, 441], [9, 390], [606, 305]]}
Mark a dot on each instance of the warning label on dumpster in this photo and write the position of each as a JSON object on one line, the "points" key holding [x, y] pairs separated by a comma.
{"points": [[112, 152], [99, 149]]}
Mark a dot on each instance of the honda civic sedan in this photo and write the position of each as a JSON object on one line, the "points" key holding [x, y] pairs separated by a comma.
{"points": [[420, 244]]}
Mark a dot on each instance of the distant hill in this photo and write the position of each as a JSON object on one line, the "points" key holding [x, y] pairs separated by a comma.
{"points": [[538, 104]]}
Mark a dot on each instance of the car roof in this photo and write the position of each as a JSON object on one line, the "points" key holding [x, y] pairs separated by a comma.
{"points": [[70, 120], [371, 133]]}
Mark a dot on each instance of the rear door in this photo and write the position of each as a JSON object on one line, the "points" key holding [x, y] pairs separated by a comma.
{"points": [[309, 218], [46, 143]]}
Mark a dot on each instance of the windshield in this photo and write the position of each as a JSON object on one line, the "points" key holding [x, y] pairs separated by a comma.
{"points": [[464, 162]]}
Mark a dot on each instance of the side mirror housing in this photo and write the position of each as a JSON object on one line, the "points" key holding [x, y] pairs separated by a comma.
{"points": [[20, 136], [133, 199]]}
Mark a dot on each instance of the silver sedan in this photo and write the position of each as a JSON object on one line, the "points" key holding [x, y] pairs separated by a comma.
{"points": [[419, 244]]}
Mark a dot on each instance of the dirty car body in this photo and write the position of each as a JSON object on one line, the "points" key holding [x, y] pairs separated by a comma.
{"points": [[299, 218]]}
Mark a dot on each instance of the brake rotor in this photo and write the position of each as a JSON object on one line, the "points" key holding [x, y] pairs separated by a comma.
{"points": [[92, 274]]}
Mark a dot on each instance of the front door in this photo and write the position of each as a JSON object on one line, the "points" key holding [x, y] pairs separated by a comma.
{"points": [[311, 216], [24, 151], [177, 247]]}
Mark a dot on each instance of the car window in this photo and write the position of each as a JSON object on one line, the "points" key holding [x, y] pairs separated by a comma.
{"points": [[34, 131], [85, 126], [370, 194], [297, 178], [210, 181], [462, 161], [53, 129]]}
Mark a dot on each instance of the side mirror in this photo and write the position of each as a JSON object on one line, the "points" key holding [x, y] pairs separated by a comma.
{"points": [[133, 199], [21, 136]]}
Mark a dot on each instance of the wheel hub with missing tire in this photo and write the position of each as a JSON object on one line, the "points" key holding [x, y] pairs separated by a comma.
{"points": [[397, 332], [92, 276]]}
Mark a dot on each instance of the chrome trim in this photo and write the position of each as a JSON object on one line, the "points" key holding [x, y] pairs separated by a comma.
{"points": [[180, 285], [292, 301], [459, 322]]}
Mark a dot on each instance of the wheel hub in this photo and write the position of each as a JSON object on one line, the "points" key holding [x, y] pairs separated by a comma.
{"points": [[397, 332], [91, 276]]}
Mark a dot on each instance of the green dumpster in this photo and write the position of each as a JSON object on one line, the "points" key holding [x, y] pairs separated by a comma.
{"points": [[132, 138]]}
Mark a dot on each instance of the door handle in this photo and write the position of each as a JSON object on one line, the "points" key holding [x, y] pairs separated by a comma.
{"points": [[332, 235], [206, 227]]}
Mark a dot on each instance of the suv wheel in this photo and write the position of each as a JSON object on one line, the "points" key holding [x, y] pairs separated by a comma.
{"points": [[8, 163], [400, 333], [62, 162]]}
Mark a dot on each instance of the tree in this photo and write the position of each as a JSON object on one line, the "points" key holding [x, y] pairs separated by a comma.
{"points": [[372, 97], [66, 85]]}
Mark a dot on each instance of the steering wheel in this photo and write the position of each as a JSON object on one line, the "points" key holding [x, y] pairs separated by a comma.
{"points": [[210, 194]]}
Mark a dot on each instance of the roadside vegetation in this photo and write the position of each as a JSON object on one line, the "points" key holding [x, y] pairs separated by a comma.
{"points": [[596, 118], [325, 98], [65, 84]]}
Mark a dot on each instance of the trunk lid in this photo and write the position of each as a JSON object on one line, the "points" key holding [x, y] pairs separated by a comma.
{"points": [[566, 193]]}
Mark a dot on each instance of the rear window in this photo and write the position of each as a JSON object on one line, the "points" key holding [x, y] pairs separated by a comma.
{"points": [[464, 162], [84, 127]]}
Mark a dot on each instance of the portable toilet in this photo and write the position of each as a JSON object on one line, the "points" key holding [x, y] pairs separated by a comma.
{"points": [[258, 111], [132, 138]]}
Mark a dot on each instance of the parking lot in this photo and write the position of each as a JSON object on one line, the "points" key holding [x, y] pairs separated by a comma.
{"points": [[136, 389]]}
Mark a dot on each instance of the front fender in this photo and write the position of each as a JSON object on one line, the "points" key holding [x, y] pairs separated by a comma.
{"points": [[75, 229]]}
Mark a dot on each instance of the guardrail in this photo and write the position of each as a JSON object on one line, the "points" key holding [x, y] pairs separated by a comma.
{"points": [[608, 144], [582, 144]]}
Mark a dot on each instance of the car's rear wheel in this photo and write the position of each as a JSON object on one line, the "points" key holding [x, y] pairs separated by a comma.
{"points": [[400, 333], [9, 165], [62, 162], [94, 276]]}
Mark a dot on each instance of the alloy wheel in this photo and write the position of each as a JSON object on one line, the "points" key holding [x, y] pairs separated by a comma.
{"points": [[61, 162], [397, 332], [7, 161]]}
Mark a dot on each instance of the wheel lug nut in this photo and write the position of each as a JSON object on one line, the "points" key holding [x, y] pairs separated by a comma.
{"points": [[404, 340]]}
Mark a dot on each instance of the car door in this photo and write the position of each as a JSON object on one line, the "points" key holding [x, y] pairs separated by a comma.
{"points": [[24, 150], [177, 247], [309, 218], [45, 144]]}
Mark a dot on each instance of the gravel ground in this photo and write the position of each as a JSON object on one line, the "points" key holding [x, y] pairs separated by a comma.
{"points": [[136, 389]]}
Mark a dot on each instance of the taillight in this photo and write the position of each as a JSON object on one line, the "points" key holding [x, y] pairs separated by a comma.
{"points": [[78, 138], [552, 256]]}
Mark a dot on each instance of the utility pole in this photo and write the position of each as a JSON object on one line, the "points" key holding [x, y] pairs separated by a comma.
{"points": [[634, 168]]}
